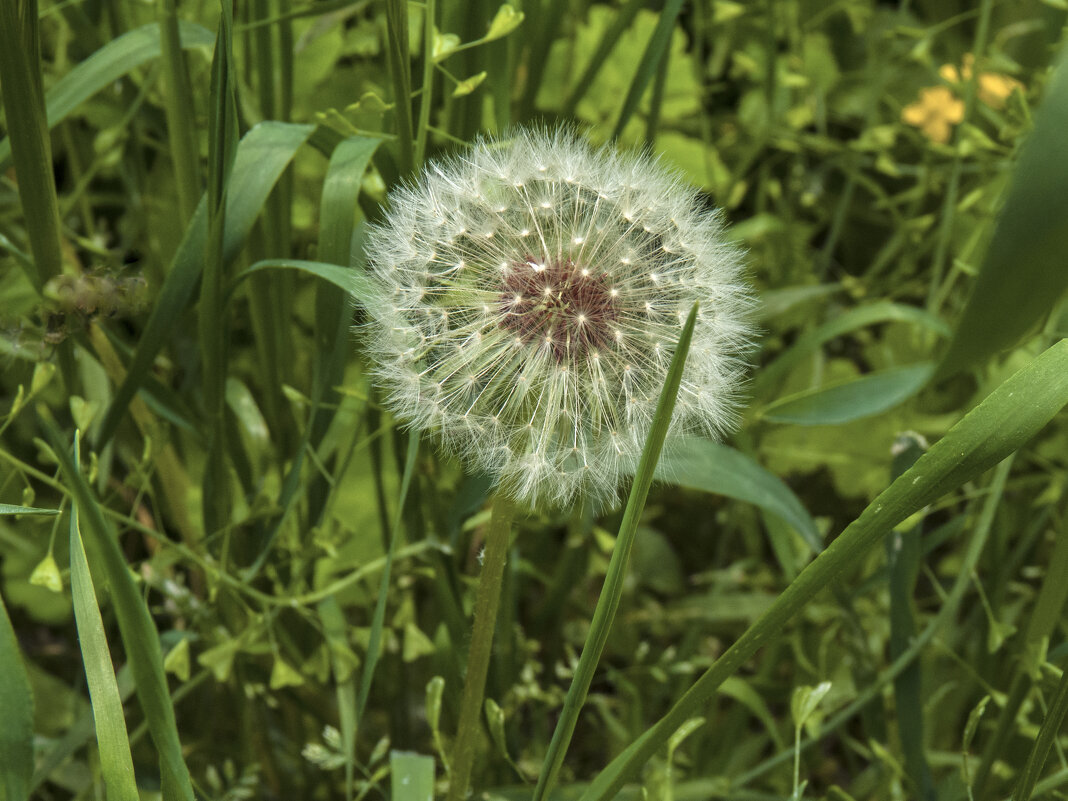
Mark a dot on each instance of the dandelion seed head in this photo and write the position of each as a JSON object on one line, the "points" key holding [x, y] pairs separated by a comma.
{"points": [[529, 295]]}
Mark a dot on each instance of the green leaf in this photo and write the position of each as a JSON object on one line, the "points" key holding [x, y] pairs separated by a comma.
{"points": [[139, 636], [113, 742], [768, 377], [16, 712], [344, 278], [506, 20], [10, 509], [1002, 423], [850, 400], [1036, 760], [1023, 275], [612, 589], [262, 156], [655, 51], [112, 61], [708, 466], [413, 776]]}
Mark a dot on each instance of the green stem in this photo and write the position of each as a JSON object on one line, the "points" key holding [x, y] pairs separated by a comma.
{"points": [[486, 603], [608, 601], [428, 82]]}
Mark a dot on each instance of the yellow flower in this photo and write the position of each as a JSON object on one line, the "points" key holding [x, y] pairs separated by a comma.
{"points": [[935, 113], [994, 87]]}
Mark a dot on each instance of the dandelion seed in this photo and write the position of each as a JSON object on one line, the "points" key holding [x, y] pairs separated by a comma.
{"points": [[541, 360]]}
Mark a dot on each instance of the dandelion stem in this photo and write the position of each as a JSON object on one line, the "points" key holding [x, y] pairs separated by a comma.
{"points": [[486, 603]]}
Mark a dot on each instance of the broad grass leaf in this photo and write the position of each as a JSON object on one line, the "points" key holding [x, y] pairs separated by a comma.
{"points": [[113, 740], [708, 466], [16, 712], [1024, 273], [850, 400]]}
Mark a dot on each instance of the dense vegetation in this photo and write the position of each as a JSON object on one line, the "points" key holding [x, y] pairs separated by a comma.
{"points": [[859, 595]]}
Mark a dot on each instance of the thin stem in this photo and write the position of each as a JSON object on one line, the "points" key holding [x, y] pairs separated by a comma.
{"points": [[486, 603], [428, 82]]}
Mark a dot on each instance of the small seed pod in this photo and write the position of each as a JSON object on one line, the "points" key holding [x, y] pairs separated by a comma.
{"points": [[528, 297]]}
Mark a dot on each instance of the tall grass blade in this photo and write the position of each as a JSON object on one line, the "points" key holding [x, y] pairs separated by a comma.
{"points": [[1023, 275], [212, 322], [612, 590], [1036, 760], [400, 70], [23, 93], [113, 741], [620, 22], [112, 61], [986, 435], [655, 51], [139, 636], [16, 712], [261, 157], [180, 111], [374, 643]]}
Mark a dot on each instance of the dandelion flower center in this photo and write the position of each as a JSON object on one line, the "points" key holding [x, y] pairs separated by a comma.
{"points": [[528, 297], [568, 308]]}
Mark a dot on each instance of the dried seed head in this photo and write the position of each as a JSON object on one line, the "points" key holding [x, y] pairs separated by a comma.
{"points": [[529, 295]]}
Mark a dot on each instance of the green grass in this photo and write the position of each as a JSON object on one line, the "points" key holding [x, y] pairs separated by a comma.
{"points": [[861, 594]]}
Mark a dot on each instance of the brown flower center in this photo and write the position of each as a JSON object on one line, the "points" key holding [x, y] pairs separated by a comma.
{"points": [[568, 307]]}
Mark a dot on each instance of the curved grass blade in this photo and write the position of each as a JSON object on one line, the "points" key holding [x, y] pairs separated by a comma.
{"points": [[850, 400], [998, 426], [1023, 275], [112, 738], [708, 466], [16, 712], [344, 278], [655, 51], [112, 61], [608, 601], [139, 636], [262, 156]]}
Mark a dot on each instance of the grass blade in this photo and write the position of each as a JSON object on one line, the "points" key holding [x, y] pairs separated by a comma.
{"points": [[1023, 275], [986, 435], [400, 71], [655, 51], [620, 22], [16, 712], [112, 61], [374, 644], [341, 277], [139, 636], [31, 146], [1036, 760], [612, 591], [113, 741], [708, 466], [181, 112], [261, 157]]}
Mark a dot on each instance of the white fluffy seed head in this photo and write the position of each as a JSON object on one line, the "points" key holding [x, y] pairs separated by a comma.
{"points": [[528, 297]]}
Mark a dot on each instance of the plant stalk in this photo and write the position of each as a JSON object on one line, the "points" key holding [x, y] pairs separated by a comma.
{"points": [[486, 604]]}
